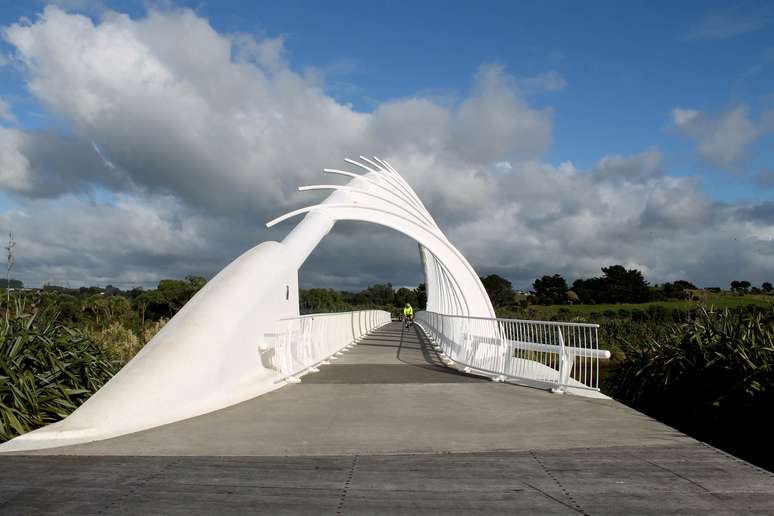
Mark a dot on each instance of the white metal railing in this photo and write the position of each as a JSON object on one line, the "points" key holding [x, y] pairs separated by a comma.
{"points": [[297, 345], [556, 355]]}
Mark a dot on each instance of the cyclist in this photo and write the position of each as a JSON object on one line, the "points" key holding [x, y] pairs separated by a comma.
{"points": [[408, 314]]}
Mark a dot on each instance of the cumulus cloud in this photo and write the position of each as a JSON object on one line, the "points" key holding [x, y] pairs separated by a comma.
{"points": [[48, 164], [179, 152], [130, 241], [544, 219], [643, 166], [14, 165], [722, 140]]}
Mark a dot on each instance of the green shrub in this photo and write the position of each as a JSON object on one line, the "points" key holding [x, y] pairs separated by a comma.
{"points": [[46, 371], [712, 377], [116, 341]]}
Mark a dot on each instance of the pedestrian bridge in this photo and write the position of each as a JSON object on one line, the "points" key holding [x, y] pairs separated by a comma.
{"points": [[241, 336], [240, 404]]}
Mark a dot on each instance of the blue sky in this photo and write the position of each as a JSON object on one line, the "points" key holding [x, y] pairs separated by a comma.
{"points": [[611, 75], [626, 64]]}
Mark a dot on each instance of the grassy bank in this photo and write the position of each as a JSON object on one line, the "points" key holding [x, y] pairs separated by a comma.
{"points": [[714, 300]]}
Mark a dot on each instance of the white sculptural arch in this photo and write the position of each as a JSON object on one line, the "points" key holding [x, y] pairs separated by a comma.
{"points": [[206, 357], [382, 197]]}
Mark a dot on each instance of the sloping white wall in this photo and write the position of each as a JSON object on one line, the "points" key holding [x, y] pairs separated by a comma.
{"points": [[204, 359]]}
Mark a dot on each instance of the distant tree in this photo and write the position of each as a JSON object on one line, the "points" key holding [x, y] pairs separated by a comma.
{"points": [[550, 290], [572, 297], [374, 295], [617, 285], [499, 289], [103, 309], [740, 286], [318, 300], [168, 298], [380, 294], [405, 295], [53, 288], [90, 291], [677, 290], [625, 285], [11, 283], [591, 290], [766, 287], [421, 293]]}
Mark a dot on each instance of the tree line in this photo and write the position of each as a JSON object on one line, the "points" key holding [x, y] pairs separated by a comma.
{"points": [[617, 284], [136, 307], [382, 296]]}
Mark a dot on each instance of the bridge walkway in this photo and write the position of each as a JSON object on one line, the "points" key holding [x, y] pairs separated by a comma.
{"points": [[387, 429]]}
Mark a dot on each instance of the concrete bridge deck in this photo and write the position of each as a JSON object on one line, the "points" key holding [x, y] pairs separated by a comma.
{"points": [[387, 429]]}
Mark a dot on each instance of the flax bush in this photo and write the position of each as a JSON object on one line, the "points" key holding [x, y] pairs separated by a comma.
{"points": [[712, 377], [46, 371]]}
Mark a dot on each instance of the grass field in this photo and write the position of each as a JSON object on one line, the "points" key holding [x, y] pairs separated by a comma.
{"points": [[718, 301]]}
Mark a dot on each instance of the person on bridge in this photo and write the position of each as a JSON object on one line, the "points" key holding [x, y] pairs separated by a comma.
{"points": [[408, 314]]}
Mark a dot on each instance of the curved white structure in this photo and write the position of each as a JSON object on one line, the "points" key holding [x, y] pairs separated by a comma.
{"points": [[212, 354], [381, 196]]}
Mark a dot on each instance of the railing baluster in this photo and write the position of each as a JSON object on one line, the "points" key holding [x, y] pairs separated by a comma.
{"points": [[519, 350]]}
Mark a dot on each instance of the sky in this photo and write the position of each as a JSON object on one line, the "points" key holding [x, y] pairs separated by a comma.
{"points": [[146, 140]]}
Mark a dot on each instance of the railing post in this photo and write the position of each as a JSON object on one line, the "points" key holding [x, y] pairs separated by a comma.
{"points": [[564, 365], [503, 331]]}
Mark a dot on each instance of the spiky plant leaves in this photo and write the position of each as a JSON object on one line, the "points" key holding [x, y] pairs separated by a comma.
{"points": [[47, 370], [712, 377]]}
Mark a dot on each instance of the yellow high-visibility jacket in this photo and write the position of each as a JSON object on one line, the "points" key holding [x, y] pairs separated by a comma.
{"points": [[408, 311]]}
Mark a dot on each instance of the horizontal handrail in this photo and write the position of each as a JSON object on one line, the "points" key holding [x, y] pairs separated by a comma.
{"points": [[324, 314], [570, 350], [557, 355], [296, 345], [531, 321]]}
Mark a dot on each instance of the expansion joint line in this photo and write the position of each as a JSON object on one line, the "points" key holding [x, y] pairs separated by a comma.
{"points": [[575, 504], [136, 486], [347, 483]]}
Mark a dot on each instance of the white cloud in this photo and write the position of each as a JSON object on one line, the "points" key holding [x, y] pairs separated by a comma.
{"points": [[722, 139], [732, 21], [14, 165], [495, 122], [185, 141], [683, 117]]}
